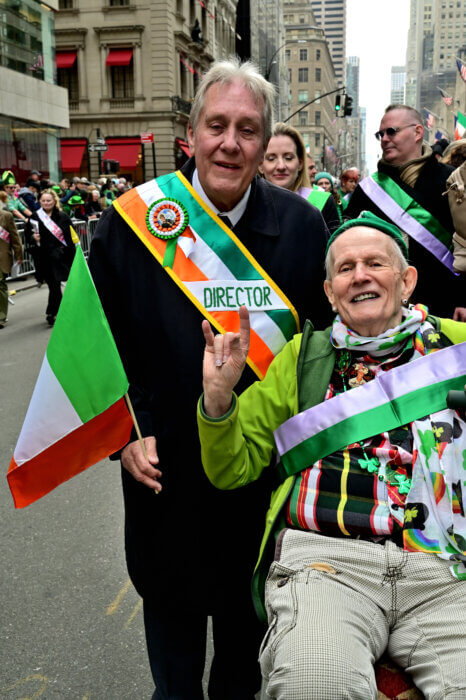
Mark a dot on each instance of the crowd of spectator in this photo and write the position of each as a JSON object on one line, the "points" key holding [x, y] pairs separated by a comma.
{"points": [[78, 197]]}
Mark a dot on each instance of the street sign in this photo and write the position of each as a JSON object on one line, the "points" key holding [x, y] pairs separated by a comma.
{"points": [[147, 137], [100, 139], [97, 147]]}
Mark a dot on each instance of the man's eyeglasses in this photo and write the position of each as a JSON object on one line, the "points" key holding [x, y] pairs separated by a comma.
{"points": [[390, 131]]}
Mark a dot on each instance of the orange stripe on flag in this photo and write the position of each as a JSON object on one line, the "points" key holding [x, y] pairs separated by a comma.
{"points": [[259, 352], [73, 454]]}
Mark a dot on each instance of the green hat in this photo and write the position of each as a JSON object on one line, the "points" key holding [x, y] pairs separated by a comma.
{"points": [[56, 189], [75, 199], [366, 218], [8, 178], [323, 174]]}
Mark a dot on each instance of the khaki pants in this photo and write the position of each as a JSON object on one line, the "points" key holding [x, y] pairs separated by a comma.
{"points": [[334, 606]]}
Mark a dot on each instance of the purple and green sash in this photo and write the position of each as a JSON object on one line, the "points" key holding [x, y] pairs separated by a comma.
{"points": [[391, 400], [409, 216], [4, 235]]}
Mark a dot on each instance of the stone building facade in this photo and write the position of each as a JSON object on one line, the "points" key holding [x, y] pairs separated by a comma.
{"points": [[131, 67], [310, 74]]}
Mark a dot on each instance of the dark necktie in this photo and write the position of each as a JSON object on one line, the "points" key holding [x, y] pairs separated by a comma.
{"points": [[225, 220]]}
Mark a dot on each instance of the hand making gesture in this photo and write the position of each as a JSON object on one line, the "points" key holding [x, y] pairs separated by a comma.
{"points": [[224, 360]]}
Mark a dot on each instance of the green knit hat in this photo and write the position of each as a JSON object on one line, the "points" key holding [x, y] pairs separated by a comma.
{"points": [[8, 178], [323, 174], [366, 218]]}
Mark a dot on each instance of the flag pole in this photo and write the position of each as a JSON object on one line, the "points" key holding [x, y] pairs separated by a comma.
{"points": [[137, 429]]}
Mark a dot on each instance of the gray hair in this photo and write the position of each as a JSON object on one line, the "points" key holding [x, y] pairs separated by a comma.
{"points": [[413, 112], [230, 70], [398, 256]]}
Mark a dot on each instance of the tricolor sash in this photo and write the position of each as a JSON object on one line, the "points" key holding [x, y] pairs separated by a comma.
{"points": [[50, 224], [409, 216], [393, 399], [4, 235], [210, 264]]}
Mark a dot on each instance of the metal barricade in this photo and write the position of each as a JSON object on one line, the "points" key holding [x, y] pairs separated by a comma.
{"points": [[27, 267], [84, 229], [80, 227]]}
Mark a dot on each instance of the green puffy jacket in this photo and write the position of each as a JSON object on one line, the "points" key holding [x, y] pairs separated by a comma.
{"points": [[237, 447]]}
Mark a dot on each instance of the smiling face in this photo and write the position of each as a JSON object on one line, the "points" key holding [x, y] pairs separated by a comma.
{"points": [[406, 144], [228, 143], [47, 202], [367, 285], [281, 164]]}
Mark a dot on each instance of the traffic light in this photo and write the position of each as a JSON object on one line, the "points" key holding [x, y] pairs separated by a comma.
{"points": [[348, 106], [338, 104]]}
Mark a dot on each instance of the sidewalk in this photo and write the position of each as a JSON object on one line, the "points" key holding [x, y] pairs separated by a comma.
{"points": [[21, 284]]}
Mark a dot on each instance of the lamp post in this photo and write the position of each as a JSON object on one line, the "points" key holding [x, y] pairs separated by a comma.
{"points": [[268, 70]]}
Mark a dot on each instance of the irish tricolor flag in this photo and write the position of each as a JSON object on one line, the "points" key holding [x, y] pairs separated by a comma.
{"points": [[77, 415], [460, 128]]}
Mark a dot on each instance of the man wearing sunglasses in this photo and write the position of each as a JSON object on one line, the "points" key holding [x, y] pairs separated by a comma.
{"points": [[407, 190]]}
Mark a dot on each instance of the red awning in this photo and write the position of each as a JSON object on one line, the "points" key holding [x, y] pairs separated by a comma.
{"points": [[66, 59], [184, 146], [119, 57], [125, 150], [72, 151]]}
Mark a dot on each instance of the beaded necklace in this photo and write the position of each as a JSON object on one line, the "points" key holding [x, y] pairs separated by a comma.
{"points": [[372, 465]]}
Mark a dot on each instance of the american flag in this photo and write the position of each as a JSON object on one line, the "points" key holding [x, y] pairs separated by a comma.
{"points": [[446, 98], [462, 69], [429, 119]]}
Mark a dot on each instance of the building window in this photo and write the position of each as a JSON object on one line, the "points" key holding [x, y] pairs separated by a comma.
{"points": [[318, 118], [316, 96], [122, 81], [317, 140], [289, 75], [317, 54], [318, 75], [303, 118], [303, 54], [68, 78], [287, 54], [303, 96], [303, 75], [65, 4], [118, 3]]}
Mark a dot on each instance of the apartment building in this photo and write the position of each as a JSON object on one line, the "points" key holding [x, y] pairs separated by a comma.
{"points": [[131, 68], [331, 16]]}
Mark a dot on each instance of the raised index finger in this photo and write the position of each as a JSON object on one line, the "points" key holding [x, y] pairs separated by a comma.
{"points": [[244, 328]]}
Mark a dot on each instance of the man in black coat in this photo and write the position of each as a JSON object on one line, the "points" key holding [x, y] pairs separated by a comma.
{"points": [[190, 551], [415, 169]]}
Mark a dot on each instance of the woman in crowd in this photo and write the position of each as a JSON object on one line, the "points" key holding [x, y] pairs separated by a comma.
{"points": [[92, 207], [284, 165], [367, 513], [325, 181], [48, 233]]}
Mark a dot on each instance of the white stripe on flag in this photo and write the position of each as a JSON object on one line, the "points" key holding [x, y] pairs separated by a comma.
{"points": [[50, 417]]}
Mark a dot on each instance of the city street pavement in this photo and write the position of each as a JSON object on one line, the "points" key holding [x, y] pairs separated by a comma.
{"points": [[70, 621]]}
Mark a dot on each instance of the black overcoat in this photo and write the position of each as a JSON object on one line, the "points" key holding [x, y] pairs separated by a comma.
{"points": [[193, 542]]}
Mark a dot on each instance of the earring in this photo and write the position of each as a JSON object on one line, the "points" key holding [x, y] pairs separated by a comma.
{"points": [[334, 308], [404, 302]]}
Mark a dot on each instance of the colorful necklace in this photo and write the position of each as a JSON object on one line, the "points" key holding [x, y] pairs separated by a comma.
{"points": [[372, 464]]}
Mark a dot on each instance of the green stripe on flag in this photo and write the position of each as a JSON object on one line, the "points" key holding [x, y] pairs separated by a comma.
{"points": [[394, 414], [221, 244], [414, 209], [82, 352]]}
